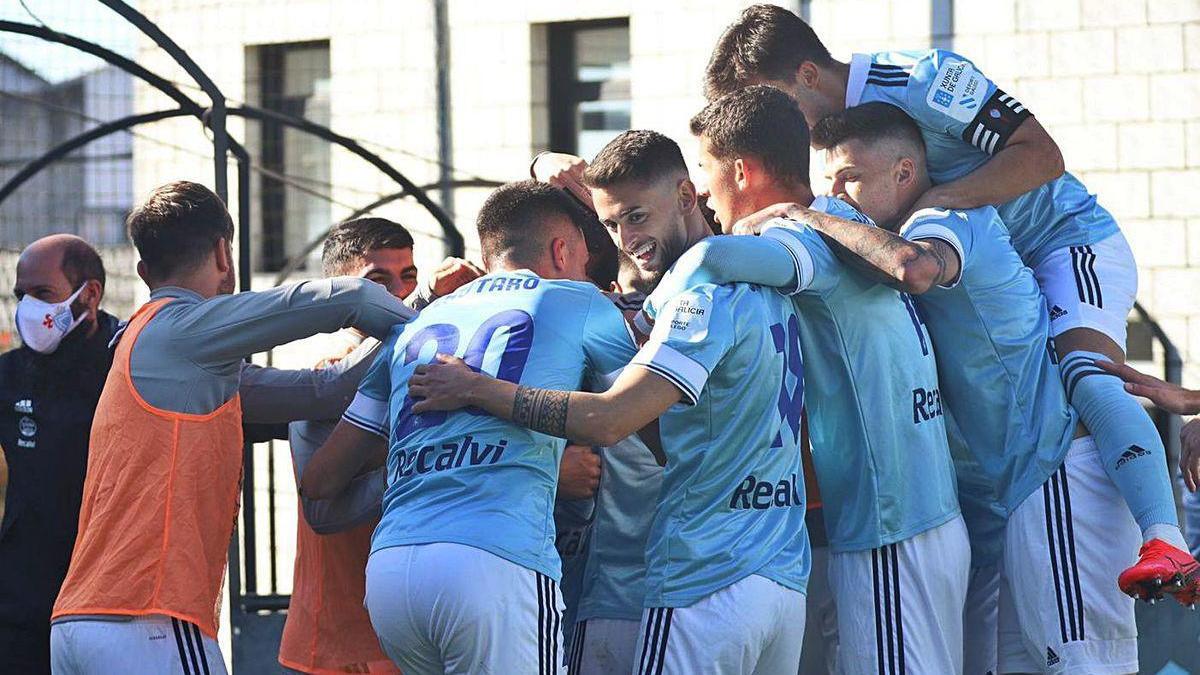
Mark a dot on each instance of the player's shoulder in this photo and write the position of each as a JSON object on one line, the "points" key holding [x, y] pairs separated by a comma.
{"points": [[837, 207]]}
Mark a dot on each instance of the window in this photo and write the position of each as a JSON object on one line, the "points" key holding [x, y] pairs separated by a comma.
{"points": [[292, 79], [588, 84]]}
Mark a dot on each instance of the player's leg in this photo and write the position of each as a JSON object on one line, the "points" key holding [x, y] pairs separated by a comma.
{"points": [[1090, 291], [724, 633], [900, 607], [819, 656], [981, 621], [603, 647], [159, 645], [1063, 547]]}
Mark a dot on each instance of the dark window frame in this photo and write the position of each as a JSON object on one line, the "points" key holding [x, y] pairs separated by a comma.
{"points": [[272, 195], [566, 92]]}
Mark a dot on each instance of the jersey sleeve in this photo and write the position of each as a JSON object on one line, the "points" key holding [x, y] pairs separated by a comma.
{"points": [[694, 332], [724, 260], [949, 94], [950, 227], [369, 409], [817, 271], [608, 344]]}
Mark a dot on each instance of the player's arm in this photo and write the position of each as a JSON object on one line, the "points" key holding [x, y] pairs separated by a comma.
{"points": [[1028, 160], [910, 266], [350, 450], [272, 395], [1170, 397], [636, 398], [724, 260]]}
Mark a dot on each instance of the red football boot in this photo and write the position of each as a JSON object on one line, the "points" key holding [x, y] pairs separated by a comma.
{"points": [[1162, 568]]}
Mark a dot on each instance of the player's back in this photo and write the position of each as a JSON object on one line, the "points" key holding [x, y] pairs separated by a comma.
{"points": [[991, 332], [467, 477], [732, 499], [964, 119], [875, 416]]}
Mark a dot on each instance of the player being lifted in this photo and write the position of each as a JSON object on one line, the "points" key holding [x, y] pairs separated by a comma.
{"points": [[727, 556], [463, 571], [985, 147], [875, 418], [990, 329]]}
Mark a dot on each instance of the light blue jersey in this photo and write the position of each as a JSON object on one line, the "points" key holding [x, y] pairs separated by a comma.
{"points": [[965, 119], [466, 477], [614, 581], [991, 333], [875, 415], [572, 535], [732, 500]]}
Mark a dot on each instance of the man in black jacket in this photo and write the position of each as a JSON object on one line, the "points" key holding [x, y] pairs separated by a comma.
{"points": [[48, 392]]}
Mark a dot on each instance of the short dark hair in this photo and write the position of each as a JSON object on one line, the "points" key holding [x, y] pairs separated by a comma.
{"points": [[767, 42], [511, 220], [350, 240], [81, 262], [869, 122], [761, 122], [637, 155], [176, 227]]}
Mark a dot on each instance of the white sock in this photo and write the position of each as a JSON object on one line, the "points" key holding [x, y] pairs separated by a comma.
{"points": [[1168, 533]]}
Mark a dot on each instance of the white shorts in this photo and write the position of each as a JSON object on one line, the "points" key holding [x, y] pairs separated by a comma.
{"points": [[154, 645], [1060, 608], [754, 626], [1090, 287], [900, 606], [452, 608], [981, 626], [603, 647]]}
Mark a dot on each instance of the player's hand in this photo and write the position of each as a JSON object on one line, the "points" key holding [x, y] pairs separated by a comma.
{"points": [[452, 273], [441, 385], [1170, 397], [579, 473], [753, 223], [1189, 454], [563, 171]]}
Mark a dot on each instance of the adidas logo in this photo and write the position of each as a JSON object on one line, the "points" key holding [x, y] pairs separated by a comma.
{"points": [[1051, 657], [1131, 454], [24, 406], [1057, 313]]}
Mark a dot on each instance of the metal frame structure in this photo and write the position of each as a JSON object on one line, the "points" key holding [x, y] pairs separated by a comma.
{"points": [[247, 605]]}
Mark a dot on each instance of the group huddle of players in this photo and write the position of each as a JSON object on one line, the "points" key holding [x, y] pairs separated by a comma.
{"points": [[990, 495], [877, 429]]}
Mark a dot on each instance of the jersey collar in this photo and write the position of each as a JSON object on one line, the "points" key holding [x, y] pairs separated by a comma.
{"points": [[860, 64]]}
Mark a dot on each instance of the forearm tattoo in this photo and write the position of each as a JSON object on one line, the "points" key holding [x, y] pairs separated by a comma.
{"points": [[543, 410], [939, 257]]}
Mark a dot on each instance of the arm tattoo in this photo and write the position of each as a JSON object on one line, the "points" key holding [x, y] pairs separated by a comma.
{"points": [[939, 256], [543, 410]]}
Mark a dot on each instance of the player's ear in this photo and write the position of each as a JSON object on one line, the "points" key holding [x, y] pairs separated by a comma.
{"points": [[743, 172], [559, 252], [808, 75], [686, 196], [905, 172], [223, 254]]}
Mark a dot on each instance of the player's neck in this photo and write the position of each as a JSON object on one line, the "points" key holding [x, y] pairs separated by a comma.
{"points": [[835, 80], [697, 227], [783, 192]]}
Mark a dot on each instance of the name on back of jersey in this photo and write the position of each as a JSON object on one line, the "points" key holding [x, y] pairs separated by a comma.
{"points": [[447, 456], [959, 90]]}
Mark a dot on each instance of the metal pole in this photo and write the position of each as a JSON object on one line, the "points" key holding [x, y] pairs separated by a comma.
{"points": [[441, 35]]}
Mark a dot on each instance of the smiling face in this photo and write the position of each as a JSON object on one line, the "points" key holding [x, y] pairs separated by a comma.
{"points": [[646, 219]]}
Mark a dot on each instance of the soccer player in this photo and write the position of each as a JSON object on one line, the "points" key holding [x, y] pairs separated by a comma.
{"points": [[727, 555], [463, 572], [985, 147], [327, 628], [1000, 382], [899, 560], [165, 459]]}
